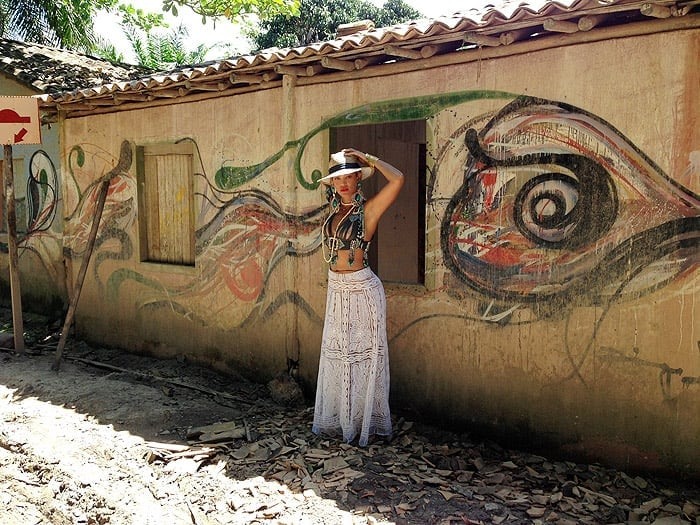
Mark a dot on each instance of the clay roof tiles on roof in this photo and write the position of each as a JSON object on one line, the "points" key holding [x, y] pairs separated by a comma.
{"points": [[52, 70], [486, 23]]}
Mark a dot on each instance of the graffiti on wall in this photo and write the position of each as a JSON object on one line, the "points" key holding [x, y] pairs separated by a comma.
{"points": [[36, 234], [237, 251], [87, 166], [241, 237], [557, 209], [554, 208], [556, 204]]}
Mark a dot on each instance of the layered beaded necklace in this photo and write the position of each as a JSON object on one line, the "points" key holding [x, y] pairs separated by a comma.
{"points": [[333, 244]]}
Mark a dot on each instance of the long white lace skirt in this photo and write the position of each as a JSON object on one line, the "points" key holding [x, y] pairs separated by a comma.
{"points": [[352, 392]]}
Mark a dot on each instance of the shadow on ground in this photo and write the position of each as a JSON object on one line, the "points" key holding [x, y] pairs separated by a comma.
{"points": [[189, 445]]}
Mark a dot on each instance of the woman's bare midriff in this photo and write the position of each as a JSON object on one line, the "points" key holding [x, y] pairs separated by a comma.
{"points": [[342, 264]]}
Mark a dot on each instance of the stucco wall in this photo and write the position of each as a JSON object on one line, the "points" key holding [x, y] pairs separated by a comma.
{"points": [[39, 217], [568, 326]]}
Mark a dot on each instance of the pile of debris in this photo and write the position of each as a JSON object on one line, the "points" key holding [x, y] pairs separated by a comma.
{"points": [[410, 477]]}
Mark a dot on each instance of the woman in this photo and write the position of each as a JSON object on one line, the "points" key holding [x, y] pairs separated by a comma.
{"points": [[352, 393]]}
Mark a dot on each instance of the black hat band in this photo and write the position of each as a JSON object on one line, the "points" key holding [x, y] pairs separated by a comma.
{"points": [[344, 166]]}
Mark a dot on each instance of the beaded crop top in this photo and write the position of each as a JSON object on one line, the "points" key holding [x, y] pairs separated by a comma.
{"points": [[348, 235]]}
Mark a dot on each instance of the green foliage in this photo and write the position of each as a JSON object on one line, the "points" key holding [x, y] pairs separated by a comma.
{"points": [[152, 45], [318, 20], [234, 9], [395, 12], [60, 23]]}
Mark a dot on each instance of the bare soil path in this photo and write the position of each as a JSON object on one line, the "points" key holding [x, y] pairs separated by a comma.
{"points": [[116, 438]]}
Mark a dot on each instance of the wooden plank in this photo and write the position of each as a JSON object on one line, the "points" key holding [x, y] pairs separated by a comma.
{"points": [[101, 198], [480, 39], [402, 52], [176, 229], [245, 79], [299, 71], [130, 97], [168, 204], [151, 207], [295, 71], [168, 93], [15, 293]]}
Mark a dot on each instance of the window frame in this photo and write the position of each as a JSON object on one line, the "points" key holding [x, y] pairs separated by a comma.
{"points": [[152, 162]]}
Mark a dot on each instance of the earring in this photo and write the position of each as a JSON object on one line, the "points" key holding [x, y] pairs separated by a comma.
{"points": [[333, 198], [359, 198]]}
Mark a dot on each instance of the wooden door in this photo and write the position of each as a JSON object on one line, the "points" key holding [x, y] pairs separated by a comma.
{"points": [[398, 247]]}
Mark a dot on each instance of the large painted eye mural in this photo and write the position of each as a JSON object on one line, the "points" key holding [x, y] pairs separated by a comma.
{"points": [[558, 206]]}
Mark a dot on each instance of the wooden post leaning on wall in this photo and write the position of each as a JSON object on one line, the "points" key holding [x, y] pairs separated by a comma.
{"points": [[17, 322], [102, 188], [101, 198]]}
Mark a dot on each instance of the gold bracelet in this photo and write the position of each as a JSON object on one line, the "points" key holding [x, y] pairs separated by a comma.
{"points": [[371, 160]]}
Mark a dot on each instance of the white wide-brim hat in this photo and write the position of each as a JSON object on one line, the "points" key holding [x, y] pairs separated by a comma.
{"points": [[342, 164]]}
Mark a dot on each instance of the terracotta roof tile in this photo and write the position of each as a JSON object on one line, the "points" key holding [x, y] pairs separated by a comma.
{"points": [[52, 70], [490, 23]]}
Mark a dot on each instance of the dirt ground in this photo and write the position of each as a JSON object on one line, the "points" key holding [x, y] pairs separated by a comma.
{"points": [[116, 438]]}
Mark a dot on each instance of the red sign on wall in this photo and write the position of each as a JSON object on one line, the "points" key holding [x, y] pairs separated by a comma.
{"points": [[19, 120]]}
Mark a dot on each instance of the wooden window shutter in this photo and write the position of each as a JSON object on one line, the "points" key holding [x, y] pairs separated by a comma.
{"points": [[166, 203]]}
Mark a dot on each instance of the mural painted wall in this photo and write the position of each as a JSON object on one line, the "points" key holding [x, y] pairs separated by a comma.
{"points": [[38, 209], [561, 256]]}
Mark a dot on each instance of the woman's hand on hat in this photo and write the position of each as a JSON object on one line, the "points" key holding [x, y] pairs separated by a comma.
{"points": [[365, 158]]}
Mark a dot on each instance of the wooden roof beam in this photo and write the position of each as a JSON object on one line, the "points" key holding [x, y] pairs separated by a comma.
{"points": [[509, 37], [560, 26], [298, 71], [208, 86], [245, 79], [75, 106], [335, 63], [269, 76], [413, 54], [373, 60], [655, 11], [588, 22], [111, 101], [168, 93], [428, 51], [472, 37], [130, 97]]}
